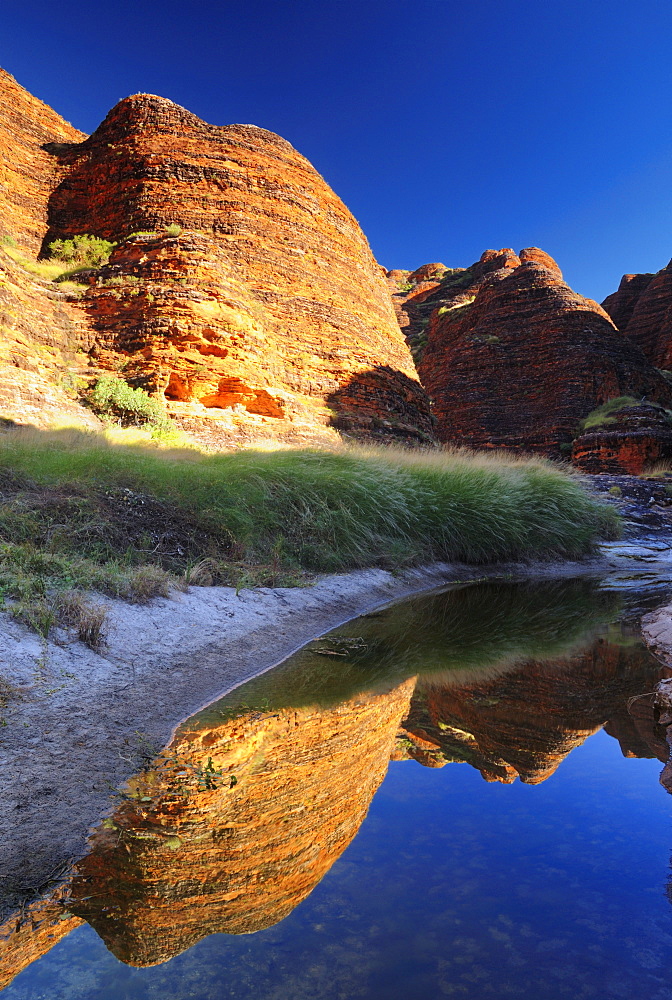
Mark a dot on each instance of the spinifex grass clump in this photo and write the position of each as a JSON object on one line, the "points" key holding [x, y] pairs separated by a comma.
{"points": [[312, 510], [606, 413]]}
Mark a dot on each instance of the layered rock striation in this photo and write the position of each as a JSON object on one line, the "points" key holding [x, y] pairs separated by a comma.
{"points": [[28, 171], [259, 313], [634, 437], [515, 359], [524, 723], [41, 329], [271, 301], [236, 825], [642, 309]]}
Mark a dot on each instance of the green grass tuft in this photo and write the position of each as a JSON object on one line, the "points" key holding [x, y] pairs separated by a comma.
{"points": [[605, 414], [331, 510]]}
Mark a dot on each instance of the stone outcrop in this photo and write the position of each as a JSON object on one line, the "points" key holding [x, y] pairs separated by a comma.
{"points": [[524, 723], [260, 313], [635, 437], [40, 328], [235, 826], [515, 359], [41, 332], [28, 172], [271, 300], [642, 309]]}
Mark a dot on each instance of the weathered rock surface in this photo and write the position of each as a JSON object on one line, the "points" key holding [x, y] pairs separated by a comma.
{"points": [[266, 317], [638, 436], [27, 936], [40, 329], [271, 301], [514, 358], [621, 304], [41, 333], [236, 827], [642, 309], [28, 172]]}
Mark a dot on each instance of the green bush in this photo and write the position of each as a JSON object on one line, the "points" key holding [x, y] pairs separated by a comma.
{"points": [[173, 229], [113, 398], [82, 251], [7, 241]]}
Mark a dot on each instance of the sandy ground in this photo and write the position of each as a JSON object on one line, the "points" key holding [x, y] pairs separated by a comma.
{"points": [[79, 723]]}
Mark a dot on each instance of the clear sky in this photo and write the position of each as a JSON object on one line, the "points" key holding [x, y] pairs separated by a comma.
{"points": [[446, 127]]}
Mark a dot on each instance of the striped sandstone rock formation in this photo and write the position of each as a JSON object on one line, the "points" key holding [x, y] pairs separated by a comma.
{"points": [[266, 317], [515, 359], [236, 826]]}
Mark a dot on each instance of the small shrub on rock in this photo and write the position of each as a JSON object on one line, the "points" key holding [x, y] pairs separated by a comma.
{"points": [[114, 399], [82, 251]]}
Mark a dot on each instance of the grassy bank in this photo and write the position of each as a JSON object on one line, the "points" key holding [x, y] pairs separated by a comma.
{"points": [[78, 511]]}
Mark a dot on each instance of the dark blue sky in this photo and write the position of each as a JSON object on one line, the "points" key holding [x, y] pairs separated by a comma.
{"points": [[446, 127]]}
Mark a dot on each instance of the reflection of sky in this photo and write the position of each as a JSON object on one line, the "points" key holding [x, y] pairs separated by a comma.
{"points": [[453, 887]]}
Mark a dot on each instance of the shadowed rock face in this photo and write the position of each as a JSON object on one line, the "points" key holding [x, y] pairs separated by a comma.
{"points": [[292, 789], [254, 322], [642, 309], [525, 723], [515, 358]]}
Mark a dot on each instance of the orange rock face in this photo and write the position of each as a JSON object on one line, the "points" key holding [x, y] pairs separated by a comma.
{"points": [[40, 332], [40, 329], [28, 173], [31, 934], [237, 827], [642, 308], [639, 435], [514, 358], [266, 317]]}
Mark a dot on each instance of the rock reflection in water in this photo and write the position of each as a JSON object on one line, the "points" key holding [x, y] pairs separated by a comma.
{"points": [[258, 795], [235, 825], [523, 725]]}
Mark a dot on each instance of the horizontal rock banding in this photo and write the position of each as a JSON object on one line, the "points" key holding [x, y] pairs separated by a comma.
{"points": [[274, 271], [642, 309], [515, 358], [260, 314], [292, 788]]}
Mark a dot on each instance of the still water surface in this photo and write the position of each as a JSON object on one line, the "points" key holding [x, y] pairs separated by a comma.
{"points": [[246, 864]]}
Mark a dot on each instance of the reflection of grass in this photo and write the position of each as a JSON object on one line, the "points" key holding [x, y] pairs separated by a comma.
{"points": [[461, 635]]}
